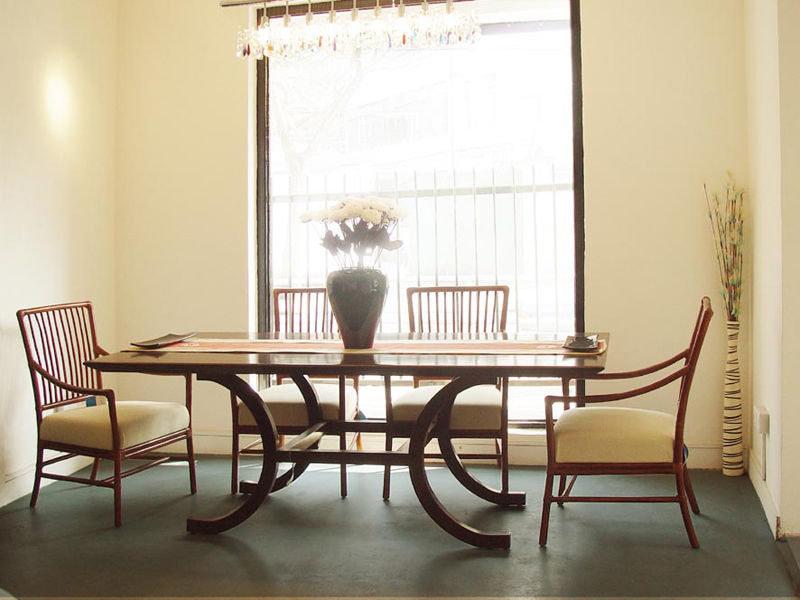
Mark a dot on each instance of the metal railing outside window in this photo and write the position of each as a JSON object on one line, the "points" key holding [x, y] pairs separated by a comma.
{"points": [[509, 225]]}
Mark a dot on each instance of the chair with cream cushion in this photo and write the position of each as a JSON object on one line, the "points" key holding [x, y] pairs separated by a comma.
{"points": [[58, 340], [605, 440], [296, 311], [479, 412]]}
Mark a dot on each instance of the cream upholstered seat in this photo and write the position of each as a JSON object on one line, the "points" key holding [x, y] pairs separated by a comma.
{"points": [[589, 439], [475, 408], [59, 340], [611, 434], [90, 426], [286, 404]]}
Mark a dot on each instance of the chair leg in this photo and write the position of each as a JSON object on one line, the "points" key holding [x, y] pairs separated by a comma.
{"points": [[546, 501], [37, 479], [689, 491], [95, 469], [566, 492], [192, 470], [502, 448], [343, 467], [117, 491], [687, 518], [562, 485], [234, 461], [387, 470]]}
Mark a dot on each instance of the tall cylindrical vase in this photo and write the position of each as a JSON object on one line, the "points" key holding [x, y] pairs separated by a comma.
{"points": [[732, 429]]}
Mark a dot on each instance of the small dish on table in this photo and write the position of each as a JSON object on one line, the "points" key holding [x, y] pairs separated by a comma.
{"points": [[581, 342]]}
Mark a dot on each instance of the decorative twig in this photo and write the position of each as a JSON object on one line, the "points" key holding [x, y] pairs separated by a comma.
{"points": [[727, 227]]}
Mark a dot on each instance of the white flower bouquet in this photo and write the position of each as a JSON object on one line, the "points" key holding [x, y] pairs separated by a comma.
{"points": [[358, 229]]}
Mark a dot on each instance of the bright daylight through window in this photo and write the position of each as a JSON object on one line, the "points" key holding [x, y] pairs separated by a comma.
{"points": [[474, 141]]}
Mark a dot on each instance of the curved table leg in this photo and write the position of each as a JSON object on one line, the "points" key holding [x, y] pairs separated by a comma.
{"points": [[281, 481], [269, 437], [314, 412], [466, 479], [439, 408]]}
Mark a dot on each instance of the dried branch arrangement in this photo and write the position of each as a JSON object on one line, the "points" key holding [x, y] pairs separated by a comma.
{"points": [[727, 226]]}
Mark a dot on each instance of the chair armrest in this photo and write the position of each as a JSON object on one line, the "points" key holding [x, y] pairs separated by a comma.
{"points": [[640, 372], [597, 398], [107, 393]]}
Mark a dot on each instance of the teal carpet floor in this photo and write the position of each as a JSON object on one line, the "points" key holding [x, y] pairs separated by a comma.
{"points": [[306, 541]]}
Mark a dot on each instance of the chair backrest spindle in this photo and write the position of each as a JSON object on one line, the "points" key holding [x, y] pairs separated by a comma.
{"points": [[458, 309], [58, 340], [302, 310]]}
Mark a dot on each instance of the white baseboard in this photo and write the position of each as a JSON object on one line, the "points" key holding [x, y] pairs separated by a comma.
{"points": [[21, 472], [19, 482], [754, 471], [526, 448]]}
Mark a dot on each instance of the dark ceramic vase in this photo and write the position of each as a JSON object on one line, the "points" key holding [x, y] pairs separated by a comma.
{"points": [[357, 297]]}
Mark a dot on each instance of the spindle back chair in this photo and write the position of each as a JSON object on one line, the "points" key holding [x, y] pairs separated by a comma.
{"points": [[592, 440], [295, 311], [457, 310], [58, 340]]}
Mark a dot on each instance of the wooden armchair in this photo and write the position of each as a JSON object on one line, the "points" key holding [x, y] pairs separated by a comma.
{"points": [[296, 310], [479, 412], [58, 340], [603, 440]]}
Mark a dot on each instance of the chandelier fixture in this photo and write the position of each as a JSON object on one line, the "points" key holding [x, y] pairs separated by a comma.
{"points": [[381, 29]]}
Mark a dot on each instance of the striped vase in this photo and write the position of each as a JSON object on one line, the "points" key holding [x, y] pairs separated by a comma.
{"points": [[732, 430]]}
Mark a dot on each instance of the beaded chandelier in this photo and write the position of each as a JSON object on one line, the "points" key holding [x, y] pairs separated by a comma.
{"points": [[380, 29]]}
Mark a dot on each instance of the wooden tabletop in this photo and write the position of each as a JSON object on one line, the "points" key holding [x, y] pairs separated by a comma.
{"points": [[340, 362]]}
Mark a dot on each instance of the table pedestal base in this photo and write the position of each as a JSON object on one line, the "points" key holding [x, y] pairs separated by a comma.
{"points": [[269, 464], [427, 426]]}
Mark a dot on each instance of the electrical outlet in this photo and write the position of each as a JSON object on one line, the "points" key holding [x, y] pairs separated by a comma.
{"points": [[761, 419]]}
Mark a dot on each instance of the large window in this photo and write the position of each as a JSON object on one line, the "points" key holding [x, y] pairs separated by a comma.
{"points": [[476, 143]]}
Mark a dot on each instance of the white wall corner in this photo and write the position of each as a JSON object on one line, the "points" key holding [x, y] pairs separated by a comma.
{"points": [[755, 473]]}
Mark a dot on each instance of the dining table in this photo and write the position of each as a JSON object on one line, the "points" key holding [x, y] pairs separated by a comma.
{"points": [[467, 359]]}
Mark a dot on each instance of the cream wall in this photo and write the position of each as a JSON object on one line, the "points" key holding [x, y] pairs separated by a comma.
{"points": [[789, 59], [773, 52], [664, 111], [764, 139], [57, 188], [182, 203]]}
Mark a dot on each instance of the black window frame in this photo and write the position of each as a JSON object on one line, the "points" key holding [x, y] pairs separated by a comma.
{"points": [[263, 269]]}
